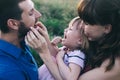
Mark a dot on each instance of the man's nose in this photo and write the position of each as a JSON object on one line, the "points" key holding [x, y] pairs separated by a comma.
{"points": [[37, 14]]}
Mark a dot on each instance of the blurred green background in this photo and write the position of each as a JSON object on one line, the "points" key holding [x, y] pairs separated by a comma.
{"points": [[56, 15]]}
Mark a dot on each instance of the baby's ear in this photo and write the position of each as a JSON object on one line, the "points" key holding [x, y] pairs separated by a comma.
{"points": [[108, 28], [13, 24]]}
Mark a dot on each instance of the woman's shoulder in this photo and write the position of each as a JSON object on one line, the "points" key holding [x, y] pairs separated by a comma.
{"points": [[100, 73], [115, 67]]}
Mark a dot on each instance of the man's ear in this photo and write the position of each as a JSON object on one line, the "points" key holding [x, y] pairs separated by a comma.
{"points": [[13, 24], [108, 28]]}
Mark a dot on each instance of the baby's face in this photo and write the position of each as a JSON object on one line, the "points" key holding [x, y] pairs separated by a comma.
{"points": [[72, 37]]}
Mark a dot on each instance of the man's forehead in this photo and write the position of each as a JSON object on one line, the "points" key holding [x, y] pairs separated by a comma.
{"points": [[26, 4]]}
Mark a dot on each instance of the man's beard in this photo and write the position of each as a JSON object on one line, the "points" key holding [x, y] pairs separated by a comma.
{"points": [[22, 31]]}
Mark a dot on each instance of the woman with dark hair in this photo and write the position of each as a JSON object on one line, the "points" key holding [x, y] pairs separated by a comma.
{"points": [[102, 27]]}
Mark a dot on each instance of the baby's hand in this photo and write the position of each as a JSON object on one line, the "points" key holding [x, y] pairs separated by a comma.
{"points": [[56, 40]]}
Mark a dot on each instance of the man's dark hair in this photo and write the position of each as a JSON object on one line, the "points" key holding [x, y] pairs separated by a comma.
{"points": [[9, 9]]}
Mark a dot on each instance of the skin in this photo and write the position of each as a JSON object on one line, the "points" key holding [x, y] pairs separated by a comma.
{"points": [[113, 74]]}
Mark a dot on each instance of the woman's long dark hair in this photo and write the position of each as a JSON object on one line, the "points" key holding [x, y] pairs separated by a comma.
{"points": [[104, 12]]}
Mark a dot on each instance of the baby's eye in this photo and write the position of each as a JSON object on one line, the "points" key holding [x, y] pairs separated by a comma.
{"points": [[70, 29], [66, 30]]}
